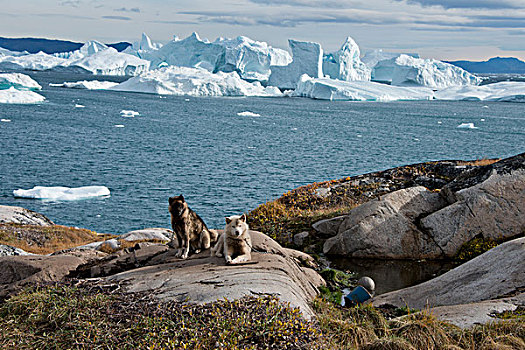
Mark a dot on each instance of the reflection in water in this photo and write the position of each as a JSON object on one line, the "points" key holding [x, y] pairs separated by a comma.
{"points": [[391, 275]]}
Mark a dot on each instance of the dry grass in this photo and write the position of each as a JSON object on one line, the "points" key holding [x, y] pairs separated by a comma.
{"points": [[46, 239], [480, 162]]}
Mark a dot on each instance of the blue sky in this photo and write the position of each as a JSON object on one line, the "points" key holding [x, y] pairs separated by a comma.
{"points": [[443, 29]]}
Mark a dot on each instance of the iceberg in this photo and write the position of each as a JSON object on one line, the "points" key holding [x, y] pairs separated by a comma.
{"points": [[89, 48], [62, 193], [248, 114], [346, 64], [14, 96], [87, 84], [338, 90], [189, 52], [405, 70], [508, 91], [373, 57], [307, 58], [104, 62], [129, 113], [251, 59], [466, 126], [142, 48], [38, 61], [18, 81], [182, 81]]}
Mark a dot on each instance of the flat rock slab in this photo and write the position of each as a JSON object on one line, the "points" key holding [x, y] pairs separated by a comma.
{"points": [[496, 274], [18, 215], [16, 272], [469, 315], [273, 270], [7, 250]]}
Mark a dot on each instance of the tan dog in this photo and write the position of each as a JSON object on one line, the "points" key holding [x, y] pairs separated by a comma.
{"points": [[189, 228], [235, 243]]}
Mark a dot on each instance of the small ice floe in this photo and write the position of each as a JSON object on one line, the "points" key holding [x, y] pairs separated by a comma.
{"points": [[440, 122], [485, 107], [5, 120], [359, 135], [60, 193], [119, 126], [187, 99], [251, 147], [248, 114], [80, 106], [467, 126], [129, 113], [294, 129], [416, 139], [482, 119]]}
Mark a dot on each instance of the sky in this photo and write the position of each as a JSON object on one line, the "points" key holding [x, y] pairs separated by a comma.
{"points": [[441, 29]]}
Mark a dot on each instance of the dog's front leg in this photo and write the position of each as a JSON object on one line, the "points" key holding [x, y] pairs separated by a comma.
{"points": [[228, 252], [242, 258], [218, 249]]}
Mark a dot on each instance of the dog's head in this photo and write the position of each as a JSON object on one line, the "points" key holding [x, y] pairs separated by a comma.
{"points": [[177, 205], [236, 225]]}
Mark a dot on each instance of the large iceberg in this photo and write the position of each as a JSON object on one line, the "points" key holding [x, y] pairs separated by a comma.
{"points": [[60, 193], [502, 92], [251, 59], [181, 81], [307, 58], [38, 61], [405, 70], [18, 81], [15, 96], [19, 88], [189, 52], [331, 89], [143, 48], [103, 61], [372, 57], [346, 64]]}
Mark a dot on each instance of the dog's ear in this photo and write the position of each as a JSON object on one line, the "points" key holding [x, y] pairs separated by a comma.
{"points": [[228, 220], [181, 197], [171, 199], [243, 218]]}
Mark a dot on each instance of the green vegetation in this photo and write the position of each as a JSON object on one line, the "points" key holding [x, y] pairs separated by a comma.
{"points": [[66, 317], [475, 247]]}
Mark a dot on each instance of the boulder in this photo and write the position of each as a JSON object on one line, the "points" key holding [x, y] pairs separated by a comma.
{"points": [[273, 270], [498, 273], [414, 223], [387, 228], [7, 250], [18, 215], [18, 272], [148, 234], [492, 209]]}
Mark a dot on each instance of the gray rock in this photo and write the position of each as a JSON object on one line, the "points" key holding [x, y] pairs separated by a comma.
{"points": [[18, 215], [469, 315], [298, 239], [329, 227], [109, 245], [387, 228], [159, 234], [20, 271], [495, 274], [7, 250], [202, 279], [493, 209]]}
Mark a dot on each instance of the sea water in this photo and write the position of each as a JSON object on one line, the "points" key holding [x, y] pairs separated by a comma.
{"points": [[223, 159]]}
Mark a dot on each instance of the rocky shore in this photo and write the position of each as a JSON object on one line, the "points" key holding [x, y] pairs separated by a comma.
{"points": [[423, 211]]}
